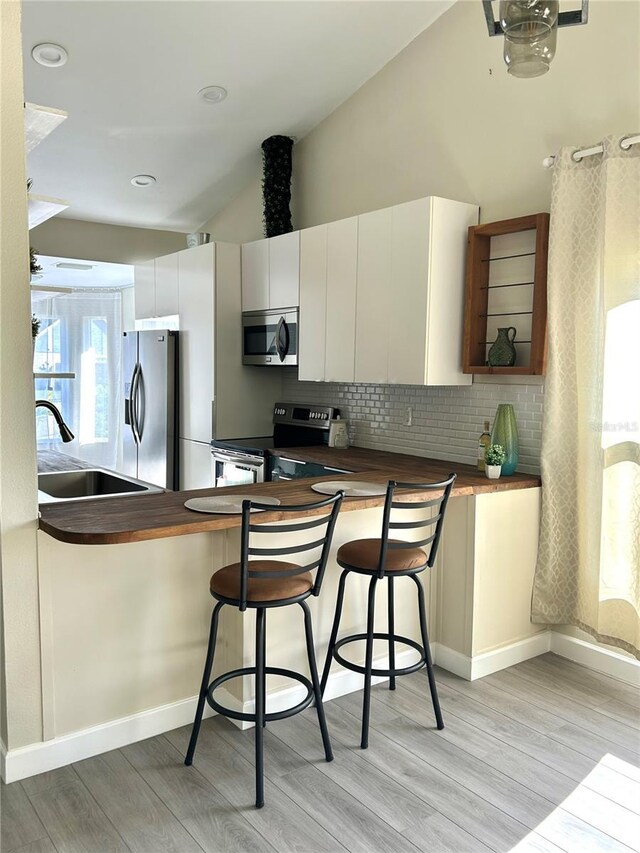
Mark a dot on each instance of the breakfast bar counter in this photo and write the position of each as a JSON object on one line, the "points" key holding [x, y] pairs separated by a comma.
{"points": [[156, 516]]}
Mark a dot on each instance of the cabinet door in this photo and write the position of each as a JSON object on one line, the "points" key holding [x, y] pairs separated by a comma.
{"points": [[408, 308], [196, 284], [342, 264], [373, 296], [167, 285], [145, 290], [284, 270], [450, 222], [255, 276], [196, 466], [313, 303]]}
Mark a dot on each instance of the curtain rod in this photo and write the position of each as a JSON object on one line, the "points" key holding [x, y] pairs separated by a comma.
{"points": [[625, 143]]}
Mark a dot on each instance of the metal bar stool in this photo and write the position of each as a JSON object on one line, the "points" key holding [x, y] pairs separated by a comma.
{"points": [[391, 558], [259, 585]]}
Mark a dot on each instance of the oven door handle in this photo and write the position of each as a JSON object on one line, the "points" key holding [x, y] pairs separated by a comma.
{"points": [[282, 339], [237, 460], [289, 459]]}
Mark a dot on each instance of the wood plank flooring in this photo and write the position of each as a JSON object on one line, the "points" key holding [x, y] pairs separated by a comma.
{"points": [[544, 756]]}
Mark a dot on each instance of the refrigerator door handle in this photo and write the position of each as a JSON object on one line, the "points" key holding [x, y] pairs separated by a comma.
{"points": [[140, 403], [134, 404]]}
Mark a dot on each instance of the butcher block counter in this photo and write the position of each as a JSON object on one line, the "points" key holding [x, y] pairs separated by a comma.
{"points": [[139, 518]]}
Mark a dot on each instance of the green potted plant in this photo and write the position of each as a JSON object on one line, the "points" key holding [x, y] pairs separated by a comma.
{"points": [[493, 459]]}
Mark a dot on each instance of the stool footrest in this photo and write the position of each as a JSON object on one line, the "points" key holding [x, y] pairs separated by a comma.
{"points": [[384, 673], [251, 670]]}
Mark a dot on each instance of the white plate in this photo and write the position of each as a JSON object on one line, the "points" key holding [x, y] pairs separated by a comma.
{"points": [[351, 488], [227, 504]]}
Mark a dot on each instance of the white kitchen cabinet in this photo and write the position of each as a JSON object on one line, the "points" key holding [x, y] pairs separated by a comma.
{"points": [[429, 240], [374, 296], [313, 303], [342, 264], [196, 466], [166, 271], [255, 276], [145, 290], [284, 270], [196, 303]]}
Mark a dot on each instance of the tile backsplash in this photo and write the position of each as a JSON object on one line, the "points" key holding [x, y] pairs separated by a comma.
{"points": [[446, 422]]}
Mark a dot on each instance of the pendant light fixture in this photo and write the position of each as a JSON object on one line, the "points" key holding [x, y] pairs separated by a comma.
{"points": [[530, 29]]}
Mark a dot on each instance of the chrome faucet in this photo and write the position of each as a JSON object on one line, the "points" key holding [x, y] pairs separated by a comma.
{"points": [[65, 432]]}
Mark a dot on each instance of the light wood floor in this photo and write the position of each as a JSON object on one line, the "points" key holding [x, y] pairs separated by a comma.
{"points": [[540, 757]]}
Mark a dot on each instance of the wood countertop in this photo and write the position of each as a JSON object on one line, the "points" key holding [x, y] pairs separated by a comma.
{"points": [[140, 517], [52, 461]]}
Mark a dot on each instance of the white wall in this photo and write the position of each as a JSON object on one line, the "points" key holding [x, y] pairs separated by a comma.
{"points": [[22, 712], [444, 118]]}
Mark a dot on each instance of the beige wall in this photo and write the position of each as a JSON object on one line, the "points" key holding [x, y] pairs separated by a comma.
{"points": [[445, 118], [22, 712], [95, 241]]}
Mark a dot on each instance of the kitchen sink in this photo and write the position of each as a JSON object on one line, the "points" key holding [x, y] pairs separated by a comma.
{"points": [[89, 483]]}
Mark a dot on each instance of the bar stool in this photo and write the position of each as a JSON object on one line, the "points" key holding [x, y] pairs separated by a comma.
{"points": [[259, 585], [390, 559]]}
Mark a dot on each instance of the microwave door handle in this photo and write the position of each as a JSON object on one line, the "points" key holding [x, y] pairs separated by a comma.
{"points": [[282, 339]]}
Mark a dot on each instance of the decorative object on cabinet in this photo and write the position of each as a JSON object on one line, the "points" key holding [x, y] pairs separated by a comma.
{"points": [[276, 185], [197, 238], [503, 352], [505, 433], [530, 29], [507, 277], [494, 459]]}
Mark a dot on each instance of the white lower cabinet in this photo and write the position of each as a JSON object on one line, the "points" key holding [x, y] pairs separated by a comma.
{"points": [[196, 465]]}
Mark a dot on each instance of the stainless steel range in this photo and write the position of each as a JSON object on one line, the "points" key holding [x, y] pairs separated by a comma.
{"points": [[254, 460]]}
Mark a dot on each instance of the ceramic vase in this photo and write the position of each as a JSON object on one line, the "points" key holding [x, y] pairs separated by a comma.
{"points": [[505, 433], [502, 352]]}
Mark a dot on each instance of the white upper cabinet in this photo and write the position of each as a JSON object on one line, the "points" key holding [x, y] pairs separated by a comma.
{"points": [[271, 273], [313, 303], [373, 296], [394, 295], [342, 265], [156, 287], [145, 290], [284, 270], [167, 285], [255, 276]]}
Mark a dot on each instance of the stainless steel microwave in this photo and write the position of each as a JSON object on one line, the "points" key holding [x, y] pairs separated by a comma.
{"points": [[270, 337]]}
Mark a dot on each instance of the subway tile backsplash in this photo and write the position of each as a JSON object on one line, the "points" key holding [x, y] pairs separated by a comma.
{"points": [[446, 422]]}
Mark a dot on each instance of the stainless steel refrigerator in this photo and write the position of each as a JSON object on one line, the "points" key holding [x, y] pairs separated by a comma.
{"points": [[150, 433]]}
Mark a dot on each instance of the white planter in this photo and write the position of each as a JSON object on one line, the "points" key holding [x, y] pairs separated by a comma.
{"points": [[493, 471]]}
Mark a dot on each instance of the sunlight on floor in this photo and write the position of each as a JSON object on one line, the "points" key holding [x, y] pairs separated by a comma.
{"points": [[608, 798]]}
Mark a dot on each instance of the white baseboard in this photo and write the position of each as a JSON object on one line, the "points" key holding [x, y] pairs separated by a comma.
{"points": [[602, 660], [37, 758], [478, 666]]}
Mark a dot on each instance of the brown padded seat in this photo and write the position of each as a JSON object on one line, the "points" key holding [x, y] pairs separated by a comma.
{"points": [[226, 582], [365, 554]]}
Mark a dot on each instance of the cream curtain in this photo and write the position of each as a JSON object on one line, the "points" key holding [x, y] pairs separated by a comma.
{"points": [[588, 571]]}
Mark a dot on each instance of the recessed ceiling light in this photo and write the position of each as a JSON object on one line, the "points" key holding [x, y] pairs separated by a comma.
{"points": [[67, 265], [143, 180], [212, 94], [51, 55]]}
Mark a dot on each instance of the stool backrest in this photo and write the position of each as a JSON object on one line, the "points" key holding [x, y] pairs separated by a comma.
{"points": [[432, 524], [323, 524]]}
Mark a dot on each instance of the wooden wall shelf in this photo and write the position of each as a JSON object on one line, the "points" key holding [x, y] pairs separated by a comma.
{"points": [[506, 285]]}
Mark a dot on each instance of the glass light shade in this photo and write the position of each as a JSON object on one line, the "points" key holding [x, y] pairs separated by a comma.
{"points": [[526, 20], [530, 58]]}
